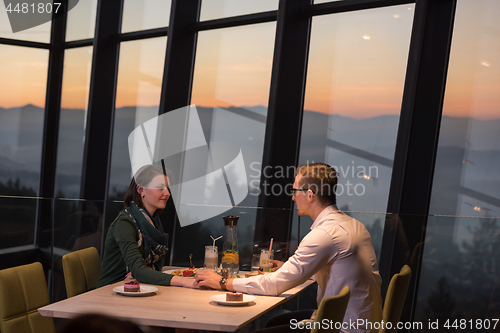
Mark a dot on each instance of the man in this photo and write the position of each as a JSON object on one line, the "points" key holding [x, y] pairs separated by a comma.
{"points": [[338, 252]]}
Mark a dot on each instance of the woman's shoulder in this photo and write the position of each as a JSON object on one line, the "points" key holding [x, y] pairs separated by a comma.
{"points": [[122, 219]]}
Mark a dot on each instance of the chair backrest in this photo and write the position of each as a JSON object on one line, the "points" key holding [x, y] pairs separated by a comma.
{"points": [[332, 308], [23, 290], [81, 271], [395, 299]]}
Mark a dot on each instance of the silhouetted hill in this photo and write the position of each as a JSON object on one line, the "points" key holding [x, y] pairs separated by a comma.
{"points": [[344, 142]]}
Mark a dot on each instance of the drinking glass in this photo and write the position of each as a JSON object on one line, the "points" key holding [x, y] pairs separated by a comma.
{"points": [[255, 262], [266, 259], [211, 257]]}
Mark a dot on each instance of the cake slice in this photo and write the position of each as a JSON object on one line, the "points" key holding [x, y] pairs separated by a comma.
{"points": [[132, 286], [234, 297]]}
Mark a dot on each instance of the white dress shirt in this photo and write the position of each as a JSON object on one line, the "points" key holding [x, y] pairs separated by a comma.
{"points": [[339, 252]]}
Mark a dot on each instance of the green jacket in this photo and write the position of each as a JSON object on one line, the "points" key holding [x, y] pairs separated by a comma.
{"points": [[121, 251]]}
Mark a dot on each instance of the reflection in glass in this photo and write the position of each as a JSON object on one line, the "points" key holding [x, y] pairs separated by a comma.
{"points": [[460, 276], [77, 224], [214, 9], [231, 90], [22, 101], [140, 74], [74, 100], [193, 238], [81, 20], [145, 14], [353, 99], [40, 33], [467, 178], [17, 221], [459, 273]]}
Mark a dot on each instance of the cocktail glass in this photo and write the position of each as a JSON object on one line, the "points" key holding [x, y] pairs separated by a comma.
{"points": [[266, 259], [211, 257]]}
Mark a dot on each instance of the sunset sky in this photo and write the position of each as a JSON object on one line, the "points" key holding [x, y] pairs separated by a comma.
{"points": [[357, 62]]}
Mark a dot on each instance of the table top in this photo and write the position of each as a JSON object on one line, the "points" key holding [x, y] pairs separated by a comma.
{"points": [[170, 307]]}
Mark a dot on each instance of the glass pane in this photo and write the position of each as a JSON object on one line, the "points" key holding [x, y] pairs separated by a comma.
{"points": [[459, 277], [140, 75], [74, 100], [81, 20], [355, 79], [145, 14], [40, 33], [214, 9], [17, 221], [200, 233], [77, 224], [22, 102], [231, 90], [466, 180]]}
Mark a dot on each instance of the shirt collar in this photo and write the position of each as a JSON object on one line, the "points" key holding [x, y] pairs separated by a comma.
{"points": [[321, 217]]}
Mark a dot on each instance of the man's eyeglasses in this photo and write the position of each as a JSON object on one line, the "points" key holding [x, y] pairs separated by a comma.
{"points": [[292, 190]]}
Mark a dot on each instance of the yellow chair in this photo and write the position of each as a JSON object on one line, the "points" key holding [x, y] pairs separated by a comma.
{"points": [[395, 299], [332, 308], [23, 290], [81, 271]]}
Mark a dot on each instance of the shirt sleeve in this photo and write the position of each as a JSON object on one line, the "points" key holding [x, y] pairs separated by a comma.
{"points": [[126, 237], [315, 251]]}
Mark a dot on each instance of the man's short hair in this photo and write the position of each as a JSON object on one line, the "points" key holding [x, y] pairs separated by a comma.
{"points": [[321, 179]]}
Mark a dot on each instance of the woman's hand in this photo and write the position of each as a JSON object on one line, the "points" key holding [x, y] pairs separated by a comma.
{"points": [[277, 265], [184, 282]]}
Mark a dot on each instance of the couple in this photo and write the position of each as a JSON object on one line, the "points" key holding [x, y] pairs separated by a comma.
{"points": [[338, 251]]}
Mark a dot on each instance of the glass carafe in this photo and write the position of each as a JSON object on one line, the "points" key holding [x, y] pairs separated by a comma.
{"points": [[230, 256]]}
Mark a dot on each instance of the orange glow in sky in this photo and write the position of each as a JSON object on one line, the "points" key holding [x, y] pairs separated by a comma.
{"points": [[357, 66]]}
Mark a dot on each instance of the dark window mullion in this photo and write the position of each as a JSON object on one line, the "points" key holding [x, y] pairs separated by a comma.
{"points": [[25, 43], [79, 43], [351, 5], [99, 122], [235, 21], [179, 70], [143, 34], [416, 146], [179, 60], [44, 227], [284, 118]]}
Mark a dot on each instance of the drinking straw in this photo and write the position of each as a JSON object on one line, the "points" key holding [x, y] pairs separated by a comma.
{"points": [[213, 247], [270, 247]]}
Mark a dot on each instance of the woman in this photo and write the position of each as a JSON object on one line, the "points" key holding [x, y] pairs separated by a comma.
{"points": [[135, 243]]}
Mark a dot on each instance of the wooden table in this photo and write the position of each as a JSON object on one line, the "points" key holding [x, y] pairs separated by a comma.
{"points": [[169, 307]]}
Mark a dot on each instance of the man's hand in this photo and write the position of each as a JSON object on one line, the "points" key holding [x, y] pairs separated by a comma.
{"points": [[277, 265], [207, 279]]}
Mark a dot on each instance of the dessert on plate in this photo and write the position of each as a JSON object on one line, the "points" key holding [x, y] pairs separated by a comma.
{"points": [[131, 286], [234, 297]]}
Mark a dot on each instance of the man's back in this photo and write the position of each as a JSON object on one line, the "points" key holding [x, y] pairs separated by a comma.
{"points": [[346, 246], [338, 251]]}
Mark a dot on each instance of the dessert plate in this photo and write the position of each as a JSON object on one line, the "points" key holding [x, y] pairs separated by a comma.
{"points": [[221, 299], [145, 291]]}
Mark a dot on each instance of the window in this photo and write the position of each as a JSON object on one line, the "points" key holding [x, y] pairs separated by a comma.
{"points": [[355, 78], [137, 100], [74, 100]]}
